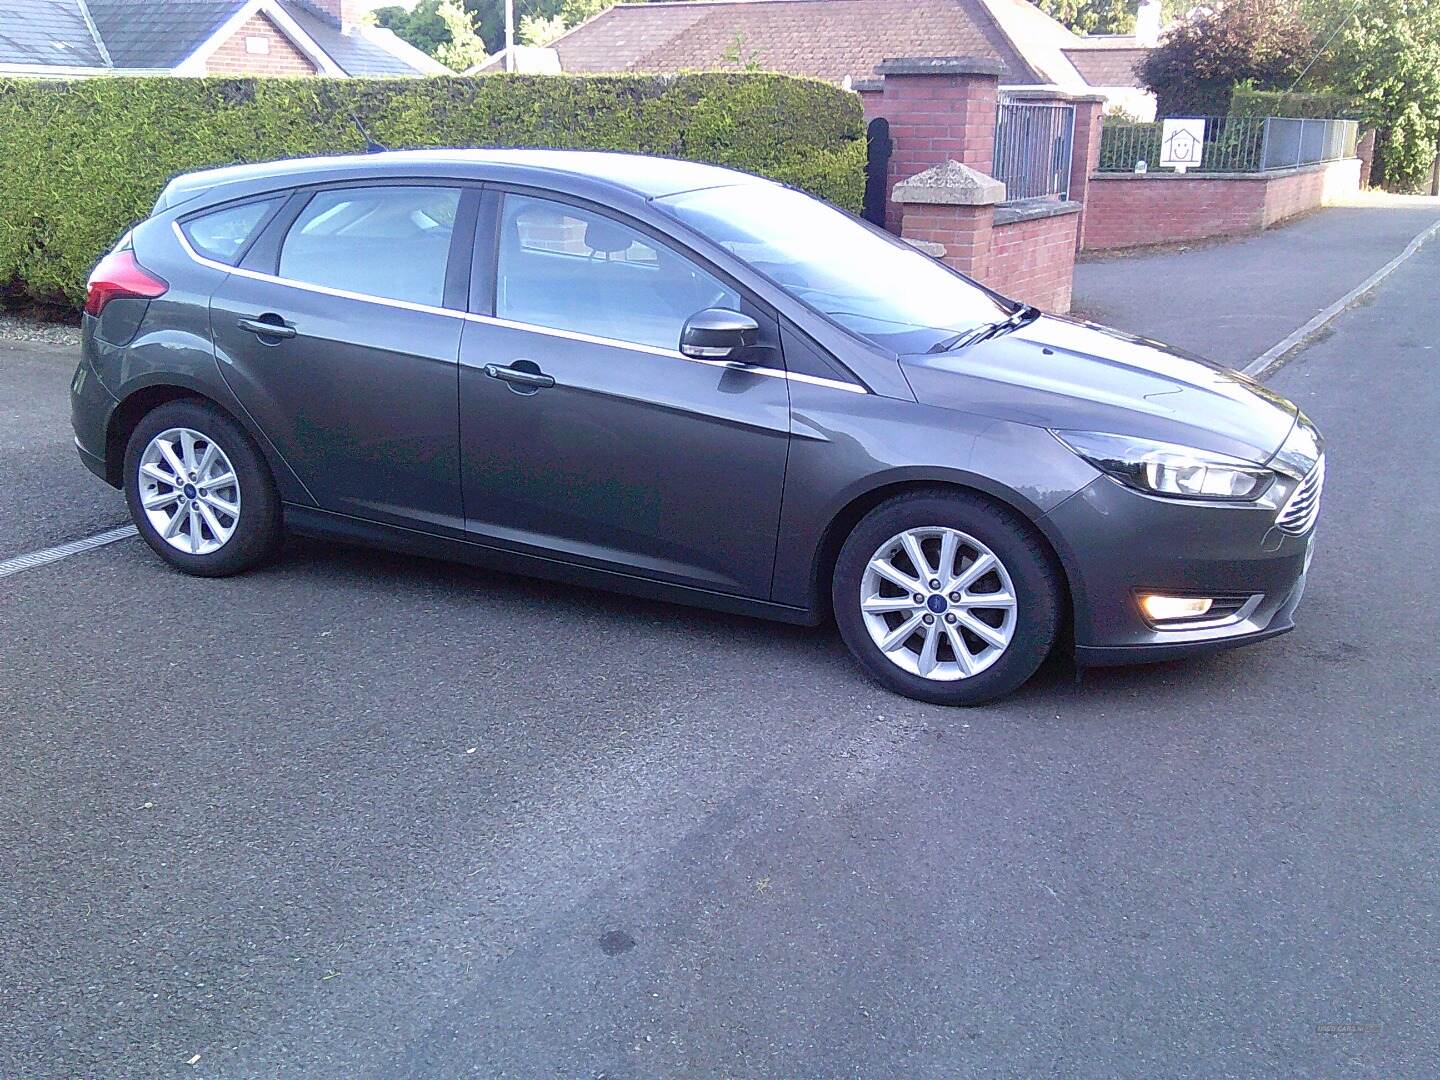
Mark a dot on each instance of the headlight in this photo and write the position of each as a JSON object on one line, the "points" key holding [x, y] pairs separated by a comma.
{"points": [[1159, 468]]}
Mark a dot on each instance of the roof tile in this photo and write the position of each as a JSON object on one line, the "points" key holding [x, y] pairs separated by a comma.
{"points": [[828, 39], [46, 32]]}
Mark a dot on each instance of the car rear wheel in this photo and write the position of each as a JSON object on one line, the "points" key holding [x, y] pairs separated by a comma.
{"points": [[946, 598], [199, 491]]}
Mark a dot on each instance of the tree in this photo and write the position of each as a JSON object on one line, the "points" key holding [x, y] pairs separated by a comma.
{"points": [[538, 29], [1092, 16], [421, 27], [1202, 57], [1385, 54], [464, 49]]}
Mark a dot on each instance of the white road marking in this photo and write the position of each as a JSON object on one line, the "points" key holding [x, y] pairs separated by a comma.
{"points": [[64, 551], [1272, 357]]}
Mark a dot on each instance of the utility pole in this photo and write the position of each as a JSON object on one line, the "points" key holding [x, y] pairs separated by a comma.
{"points": [[509, 35]]}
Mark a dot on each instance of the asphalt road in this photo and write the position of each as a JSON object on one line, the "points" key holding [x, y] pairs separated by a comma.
{"points": [[362, 816], [1231, 301]]}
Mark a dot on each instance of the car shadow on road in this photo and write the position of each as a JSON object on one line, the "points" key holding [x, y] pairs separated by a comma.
{"points": [[1058, 683]]}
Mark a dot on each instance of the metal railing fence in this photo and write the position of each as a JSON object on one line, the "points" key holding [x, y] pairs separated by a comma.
{"points": [[1235, 143], [1033, 148]]}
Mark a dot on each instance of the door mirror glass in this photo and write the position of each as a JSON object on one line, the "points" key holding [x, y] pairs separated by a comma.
{"points": [[717, 334]]}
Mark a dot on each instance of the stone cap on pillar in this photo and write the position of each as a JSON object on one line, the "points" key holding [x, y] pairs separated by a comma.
{"points": [[950, 184], [939, 65]]}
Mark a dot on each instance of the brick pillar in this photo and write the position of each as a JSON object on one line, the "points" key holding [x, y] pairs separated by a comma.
{"points": [[952, 205], [872, 97], [1365, 151], [940, 109], [1085, 161]]}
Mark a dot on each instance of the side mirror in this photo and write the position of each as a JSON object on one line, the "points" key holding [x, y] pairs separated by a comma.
{"points": [[717, 334]]}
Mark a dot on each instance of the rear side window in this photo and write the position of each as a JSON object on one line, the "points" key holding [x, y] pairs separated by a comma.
{"points": [[223, 234], [389, 242]]}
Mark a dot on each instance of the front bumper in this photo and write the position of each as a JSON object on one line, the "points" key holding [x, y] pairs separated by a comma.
{"points": [[1121, 544]]}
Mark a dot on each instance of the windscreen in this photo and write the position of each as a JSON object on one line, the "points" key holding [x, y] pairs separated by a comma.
{"points": [[872, 284]]}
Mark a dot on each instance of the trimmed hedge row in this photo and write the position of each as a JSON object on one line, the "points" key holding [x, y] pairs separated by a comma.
{"points": [[83, 160], [1321, 105]]}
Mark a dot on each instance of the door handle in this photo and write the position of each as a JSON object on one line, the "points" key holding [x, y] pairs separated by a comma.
{"points": [[263, 327], [535, 379]]}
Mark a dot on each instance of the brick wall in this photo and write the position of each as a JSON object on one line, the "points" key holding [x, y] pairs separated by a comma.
{"points": [[1302, 190], [966, 233], [1125, 210], [234, 58], [1034, 260], [938, 110], [942, 110]]}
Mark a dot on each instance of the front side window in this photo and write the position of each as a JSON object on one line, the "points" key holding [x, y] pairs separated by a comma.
{"points": [[874, 285], [569, 269], [390, 242], [222, 234]]}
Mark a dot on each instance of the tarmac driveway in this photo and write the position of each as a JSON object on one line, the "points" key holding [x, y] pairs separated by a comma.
{"points": [[356, 815]]}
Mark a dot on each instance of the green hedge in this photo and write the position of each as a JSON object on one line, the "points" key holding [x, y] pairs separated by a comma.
{"points": [[1302, 105], [83, 160]]}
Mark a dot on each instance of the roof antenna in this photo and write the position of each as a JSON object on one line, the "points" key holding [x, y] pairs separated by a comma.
{"points": [[371, 146]]}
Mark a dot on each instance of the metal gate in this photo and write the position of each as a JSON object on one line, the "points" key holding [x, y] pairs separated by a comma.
{"points": [[1033, 149]]}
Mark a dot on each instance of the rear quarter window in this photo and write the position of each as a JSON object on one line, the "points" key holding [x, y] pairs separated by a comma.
{"points": [[223, 234]]}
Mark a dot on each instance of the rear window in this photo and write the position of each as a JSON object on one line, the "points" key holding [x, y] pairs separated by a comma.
{"points": [[390, 242], [223, 234]]}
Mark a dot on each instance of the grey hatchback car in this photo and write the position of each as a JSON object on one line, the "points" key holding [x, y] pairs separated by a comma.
{"points": [[687, 383]]}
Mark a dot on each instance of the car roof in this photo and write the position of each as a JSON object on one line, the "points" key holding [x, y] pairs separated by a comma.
{"points": [[636, 174]]}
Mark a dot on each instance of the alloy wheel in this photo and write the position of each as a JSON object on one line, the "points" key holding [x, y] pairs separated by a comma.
{"points": [[938, 603], [189, 491]]}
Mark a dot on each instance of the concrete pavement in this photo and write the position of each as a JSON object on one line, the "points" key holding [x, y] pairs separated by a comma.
{"points": [[1232, 301], [356, 815]]}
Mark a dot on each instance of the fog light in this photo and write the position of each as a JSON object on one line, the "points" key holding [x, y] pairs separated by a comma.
{"points": [[1168, 608]]}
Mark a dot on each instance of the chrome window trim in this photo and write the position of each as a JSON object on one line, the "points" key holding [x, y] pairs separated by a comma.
{"points": [[509, 324]]}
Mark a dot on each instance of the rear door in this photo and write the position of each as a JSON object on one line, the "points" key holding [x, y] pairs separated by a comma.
{"points": [[620, 452], [340, 334]]}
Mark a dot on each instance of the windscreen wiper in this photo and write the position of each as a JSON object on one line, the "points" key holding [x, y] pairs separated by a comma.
{"points": [[1021, 316]]}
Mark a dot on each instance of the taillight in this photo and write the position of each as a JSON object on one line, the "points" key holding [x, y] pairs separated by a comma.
{"points": [[120, 275]]}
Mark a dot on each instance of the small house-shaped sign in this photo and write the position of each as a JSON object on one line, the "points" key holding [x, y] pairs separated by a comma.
{"points": [[1182, 144]]}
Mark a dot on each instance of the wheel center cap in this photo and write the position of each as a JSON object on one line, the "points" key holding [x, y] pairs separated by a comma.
{"points": [[937, 603], [189, 490]]}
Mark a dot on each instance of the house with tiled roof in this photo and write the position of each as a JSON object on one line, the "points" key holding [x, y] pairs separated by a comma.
{"points": [[83, 38], [843, 41]]}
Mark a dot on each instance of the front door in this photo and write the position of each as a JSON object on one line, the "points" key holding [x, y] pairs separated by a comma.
{"points": [[617, 451], [344, 353]]}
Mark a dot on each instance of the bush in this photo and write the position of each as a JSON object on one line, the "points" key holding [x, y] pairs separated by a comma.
{"points": [[83, 160], [1195, 67], [1311, 105]]}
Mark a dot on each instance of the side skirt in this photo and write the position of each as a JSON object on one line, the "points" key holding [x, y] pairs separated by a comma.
{"points": [[309, 521]]}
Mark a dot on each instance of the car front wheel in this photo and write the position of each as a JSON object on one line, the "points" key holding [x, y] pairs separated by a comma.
{"points": [[946, 598], [199, 492]]}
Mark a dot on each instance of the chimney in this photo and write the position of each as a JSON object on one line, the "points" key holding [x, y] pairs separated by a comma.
{"points": [[1148, 22], [340, 12]]}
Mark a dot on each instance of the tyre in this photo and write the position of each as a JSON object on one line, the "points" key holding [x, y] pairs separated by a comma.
{"points": [[199, 491], [947, 598]]}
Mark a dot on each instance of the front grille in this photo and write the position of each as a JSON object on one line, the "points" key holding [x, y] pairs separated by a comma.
{"points": [[1298, 515]]}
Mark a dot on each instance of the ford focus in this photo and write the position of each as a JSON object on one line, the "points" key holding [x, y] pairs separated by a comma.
{"points": [[682, 382]]}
